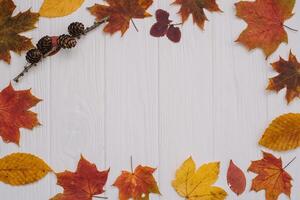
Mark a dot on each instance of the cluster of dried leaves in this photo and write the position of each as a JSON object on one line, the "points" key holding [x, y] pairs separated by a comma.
{"points": [[190, 183], [18, 169], [265, 30]]}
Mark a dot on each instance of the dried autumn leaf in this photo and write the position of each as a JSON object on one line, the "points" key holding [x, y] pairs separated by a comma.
{"points": [[59, 8], [289, 77], [271, 177], [265, 20], [283, 133], [120, 13], [164, 27], [197, 184], [10, 27], [22, 169], [236, 178], [83, 184], [14, 114], [137, 185], [196, 8]]}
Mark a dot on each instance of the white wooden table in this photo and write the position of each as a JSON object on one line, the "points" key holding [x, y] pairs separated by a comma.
{"points": [[112, 97]]}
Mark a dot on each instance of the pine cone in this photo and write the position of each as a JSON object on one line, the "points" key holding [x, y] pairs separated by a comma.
{"points": [[76, 29], [66, 41], [33, 56], [45, 44]]}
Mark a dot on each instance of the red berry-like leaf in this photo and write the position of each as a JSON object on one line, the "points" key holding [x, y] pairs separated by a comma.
{"points": [[174, 34], [162, 16], [159, 30]]}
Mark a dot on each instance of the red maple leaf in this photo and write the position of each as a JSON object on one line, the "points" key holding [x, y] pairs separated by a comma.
{"points": [[137, 185], [271, 177], [15, 114], [83, 184]]}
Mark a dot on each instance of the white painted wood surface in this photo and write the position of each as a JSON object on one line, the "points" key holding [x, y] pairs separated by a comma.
{"points": [[112, 97]]}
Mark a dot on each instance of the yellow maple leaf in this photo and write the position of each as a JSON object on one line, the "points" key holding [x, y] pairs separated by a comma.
{"points": [[283, 133], [59, 8], [197, 184], [22, 169]]}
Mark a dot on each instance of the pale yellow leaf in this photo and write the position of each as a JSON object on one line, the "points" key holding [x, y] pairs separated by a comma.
{"points": [[283, 133], [194, 184], [59, 8], [22, 169]]}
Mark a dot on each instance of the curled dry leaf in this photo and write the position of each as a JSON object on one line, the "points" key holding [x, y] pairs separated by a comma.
{"points": [[194, 184], [283, 133], [265, 20], [137, 185], [14, 114], [83, 184], [271, 177], [120, 13], [236, 179], [288, 77], [11, 26], [21, 169], [196, 9], [59, 8]]}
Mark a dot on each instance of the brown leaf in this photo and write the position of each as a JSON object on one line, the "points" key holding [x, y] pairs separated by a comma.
{"points": [[289, 77], [10, 27], [196, 8], [265, 20], [120, 13]]}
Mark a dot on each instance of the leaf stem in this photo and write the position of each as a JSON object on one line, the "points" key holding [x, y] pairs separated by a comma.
{"points": [[137, 30], [290, 28], [131, 164], [98, 197], [177, 24], [290, 162]]}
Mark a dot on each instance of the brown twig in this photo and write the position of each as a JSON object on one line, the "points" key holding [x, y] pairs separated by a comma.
{"points": [[87, 30], [95, 25], [26, 69]]}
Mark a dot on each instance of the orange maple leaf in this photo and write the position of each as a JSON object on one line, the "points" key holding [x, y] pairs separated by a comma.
{"points": [[265, 20], [272, 177], [83, 184], [14, 113], [10, 27], [137, 185], [196, 8], [120, 13], [289, 77]]}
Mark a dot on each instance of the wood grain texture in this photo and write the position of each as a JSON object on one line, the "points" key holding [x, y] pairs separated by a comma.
{"points": [[111, 98]]}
